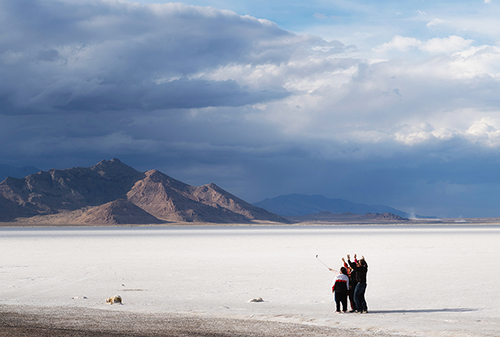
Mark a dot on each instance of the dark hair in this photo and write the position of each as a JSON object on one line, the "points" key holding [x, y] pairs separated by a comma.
{"points": [[343, 270], [363, 262]]}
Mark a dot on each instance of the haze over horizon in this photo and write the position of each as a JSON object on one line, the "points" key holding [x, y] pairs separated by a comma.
{"points": [[391, 103]]}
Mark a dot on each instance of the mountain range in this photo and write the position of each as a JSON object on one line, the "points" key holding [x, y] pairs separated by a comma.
{"points": [[347, 217], [301, 204], [111, 192], [16, 172]]}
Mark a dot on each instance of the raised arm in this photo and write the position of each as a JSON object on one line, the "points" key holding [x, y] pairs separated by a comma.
{"points": [[351, 264]]}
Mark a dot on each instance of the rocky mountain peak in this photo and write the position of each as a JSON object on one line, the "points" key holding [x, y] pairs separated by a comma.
{"points": [[112, 192], [113, 167]]}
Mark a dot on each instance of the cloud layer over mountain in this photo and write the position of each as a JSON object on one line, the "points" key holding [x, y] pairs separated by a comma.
{"points": [[209, 95]]}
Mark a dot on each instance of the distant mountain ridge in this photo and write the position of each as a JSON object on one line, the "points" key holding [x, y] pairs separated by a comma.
{"points": [[16, 172], [348, 217], [301, 204], [111, 192]]}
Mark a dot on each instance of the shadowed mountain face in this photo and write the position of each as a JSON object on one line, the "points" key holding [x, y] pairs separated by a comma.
{"points": [[69, 189], [120, 194]]}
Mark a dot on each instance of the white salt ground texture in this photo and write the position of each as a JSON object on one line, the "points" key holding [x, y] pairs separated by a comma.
{"points": [[422, 280]]}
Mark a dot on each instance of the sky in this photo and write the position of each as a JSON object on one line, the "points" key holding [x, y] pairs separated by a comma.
{"points": [[376, 102]]}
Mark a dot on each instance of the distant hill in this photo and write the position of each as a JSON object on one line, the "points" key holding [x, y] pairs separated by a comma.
{"points": [[347, 217], [301, 204], [111, 192], [16, 172]]}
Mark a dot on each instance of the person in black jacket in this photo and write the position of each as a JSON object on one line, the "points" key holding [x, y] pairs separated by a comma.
{"points": [[361, 269], [352, 285]]}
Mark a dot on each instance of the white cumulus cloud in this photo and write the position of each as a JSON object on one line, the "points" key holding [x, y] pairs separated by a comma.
{"points": [[435, 22], [449, 44]]}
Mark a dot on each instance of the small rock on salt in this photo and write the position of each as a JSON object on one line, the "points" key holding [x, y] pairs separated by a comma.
{"points": [[256, 300]]}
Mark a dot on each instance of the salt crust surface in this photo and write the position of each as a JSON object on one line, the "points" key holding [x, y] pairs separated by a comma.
{"points": [[422, 280]]}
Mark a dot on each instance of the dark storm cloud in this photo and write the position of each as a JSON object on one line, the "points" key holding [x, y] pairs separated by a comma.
{"points": [[95, 56], [182, 93]]}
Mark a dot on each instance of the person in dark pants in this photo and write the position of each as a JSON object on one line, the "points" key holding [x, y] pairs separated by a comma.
{"points": [[339, 288], [352, 285], [361, 269]]}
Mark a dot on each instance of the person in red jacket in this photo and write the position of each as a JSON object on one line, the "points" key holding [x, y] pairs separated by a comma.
{"points": [[340, 288]]}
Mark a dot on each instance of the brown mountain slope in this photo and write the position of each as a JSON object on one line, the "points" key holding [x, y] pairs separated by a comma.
{"points": [[169, 199], [213, 195], [118, 212]]}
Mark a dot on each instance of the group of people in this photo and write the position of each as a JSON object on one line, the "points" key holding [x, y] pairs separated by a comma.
{"points": [[351, 283]]}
